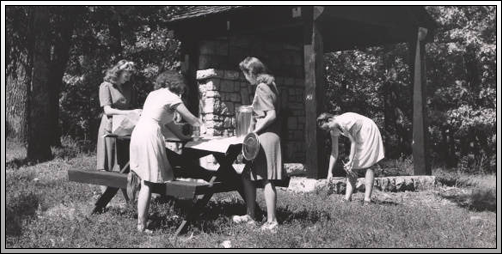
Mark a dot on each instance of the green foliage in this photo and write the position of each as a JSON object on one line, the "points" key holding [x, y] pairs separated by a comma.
{"points": [[461, 75], [144, 39], [463, 82], [461, 91]]}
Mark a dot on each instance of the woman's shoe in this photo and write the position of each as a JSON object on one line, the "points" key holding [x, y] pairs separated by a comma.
{"points": [[368, 202], [243, 219], [270, 226], [142, 229]]}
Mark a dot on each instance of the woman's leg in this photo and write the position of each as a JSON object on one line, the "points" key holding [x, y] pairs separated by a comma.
{"points": [[270, 199], [250, 196], [370, 177], [351, 186], [143, 205]]}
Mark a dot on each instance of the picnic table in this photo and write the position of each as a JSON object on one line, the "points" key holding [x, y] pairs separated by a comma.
{"points": [[191, 182]]}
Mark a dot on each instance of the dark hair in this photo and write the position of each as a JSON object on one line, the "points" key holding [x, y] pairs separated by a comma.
{"points": [[323, 119], [172, 80], [253, 66], [113, 74]]}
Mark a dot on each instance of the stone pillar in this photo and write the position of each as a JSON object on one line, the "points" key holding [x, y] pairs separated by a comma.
{"points": [[221, 92]]}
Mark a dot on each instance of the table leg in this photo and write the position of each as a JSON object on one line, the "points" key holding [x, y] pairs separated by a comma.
{"points": [[194, 210], [227, 173], [109, 193], [125, 170], [105, 198]]}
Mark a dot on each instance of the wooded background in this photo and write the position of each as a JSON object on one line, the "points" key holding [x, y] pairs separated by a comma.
{"points": [[56, 57]]}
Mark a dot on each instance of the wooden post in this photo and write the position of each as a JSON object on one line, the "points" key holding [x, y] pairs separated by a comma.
{"points": [[419, 144], [190, 61], [316, 162]]}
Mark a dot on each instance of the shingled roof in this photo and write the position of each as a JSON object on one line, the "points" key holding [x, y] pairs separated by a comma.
{"points": [[202, 11]]}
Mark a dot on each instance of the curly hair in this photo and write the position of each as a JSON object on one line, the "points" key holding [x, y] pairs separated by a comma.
{"points": [[113, 74], [172, 80], [323, 119]]}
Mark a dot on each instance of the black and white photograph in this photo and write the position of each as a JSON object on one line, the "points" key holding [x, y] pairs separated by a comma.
{"points": [[265, 126]]}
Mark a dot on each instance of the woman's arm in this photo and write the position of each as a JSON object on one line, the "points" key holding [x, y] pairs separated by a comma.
{"points": [[333, 157], [267, 121], [189, 117], [109, 111], [171, 126]]}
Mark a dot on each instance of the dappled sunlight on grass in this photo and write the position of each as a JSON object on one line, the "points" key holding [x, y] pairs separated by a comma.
{"points": [[473, 192], [45, 210]]}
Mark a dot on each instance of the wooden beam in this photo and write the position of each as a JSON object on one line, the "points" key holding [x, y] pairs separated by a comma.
{"points": [[190, 62], [420, 155], [116, 180], [106, 178], [272, 18], [316, 162], [268, 28], [376, 15]]}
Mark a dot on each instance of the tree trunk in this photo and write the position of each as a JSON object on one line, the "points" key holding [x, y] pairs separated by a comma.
{"points": [[38, 96], [63, 26], [16, 97], [18, 72]]}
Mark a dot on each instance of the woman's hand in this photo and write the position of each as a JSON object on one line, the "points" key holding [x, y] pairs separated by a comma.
{"points": [[199, 122], [137, 111], [348, 168], [330, 177], [189, 117], [261, 125]]}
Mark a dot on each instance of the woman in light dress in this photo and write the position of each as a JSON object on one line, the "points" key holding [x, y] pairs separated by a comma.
{"points": [[366, 147], [267, 167], [148, 153]]}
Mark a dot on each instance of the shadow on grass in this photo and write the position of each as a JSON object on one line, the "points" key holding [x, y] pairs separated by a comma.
{"points": [[215, 217], [65, 152], [284, 215], [385, 203], [17, 163], [478, 200], [19, 210], [167, 213]]}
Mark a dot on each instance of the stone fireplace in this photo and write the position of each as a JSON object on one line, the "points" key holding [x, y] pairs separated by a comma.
{"points": [[223, 88]]}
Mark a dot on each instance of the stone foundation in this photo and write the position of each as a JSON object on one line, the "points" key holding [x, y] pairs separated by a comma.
{"points": [[386, 184]]}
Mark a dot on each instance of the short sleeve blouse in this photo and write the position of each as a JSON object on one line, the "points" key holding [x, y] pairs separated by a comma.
{"points": [[111, 95], [264, 100]]}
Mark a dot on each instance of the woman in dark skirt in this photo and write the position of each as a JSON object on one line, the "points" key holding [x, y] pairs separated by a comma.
{"points": [[116, 97], [267, 167]]}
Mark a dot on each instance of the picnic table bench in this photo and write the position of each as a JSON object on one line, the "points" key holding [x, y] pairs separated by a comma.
{"points": [[224, 179]]}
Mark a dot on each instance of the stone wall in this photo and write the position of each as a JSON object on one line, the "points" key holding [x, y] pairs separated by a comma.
{"points": [[221, 93], [223, 88], [385, 184]]}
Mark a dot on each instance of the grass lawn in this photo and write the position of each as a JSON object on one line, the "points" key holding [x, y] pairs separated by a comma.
{"points": [[45, 210]]}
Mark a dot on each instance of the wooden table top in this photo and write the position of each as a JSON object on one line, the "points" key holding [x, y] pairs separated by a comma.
{"points": [[210, 144]]}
